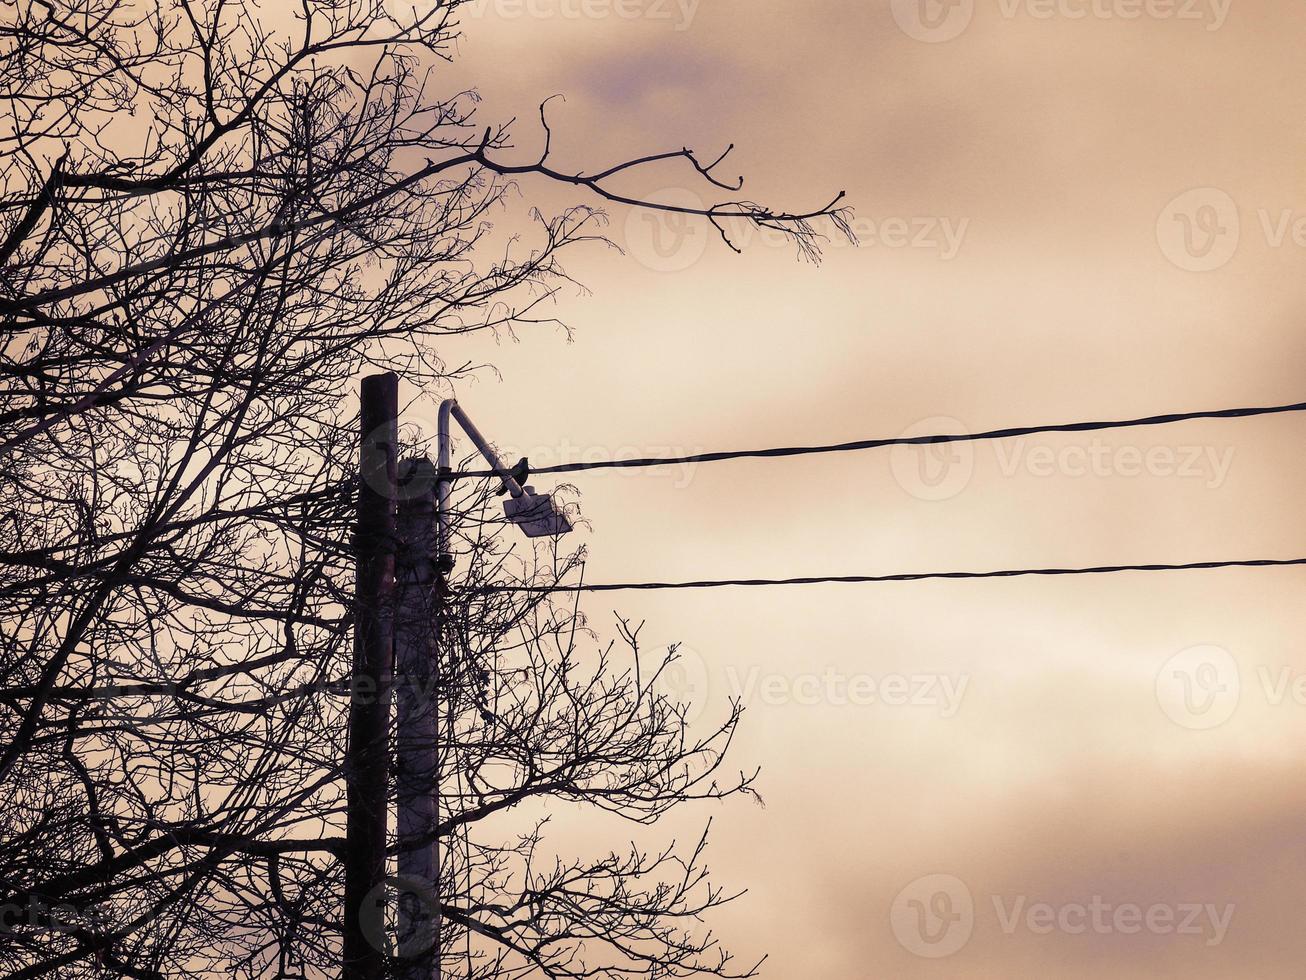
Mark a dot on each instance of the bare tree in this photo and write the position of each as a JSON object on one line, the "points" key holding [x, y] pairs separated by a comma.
{"points": [[210, 224]]}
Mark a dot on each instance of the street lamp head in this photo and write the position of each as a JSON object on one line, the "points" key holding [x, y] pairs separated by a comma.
{"points": [[536, 514]]}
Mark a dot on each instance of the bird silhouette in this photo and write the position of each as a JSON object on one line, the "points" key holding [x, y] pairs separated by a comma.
{"points": [[521, 473]]}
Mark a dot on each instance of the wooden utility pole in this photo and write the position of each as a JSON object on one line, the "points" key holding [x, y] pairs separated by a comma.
{"points": [[417, 680], [367, 760]]}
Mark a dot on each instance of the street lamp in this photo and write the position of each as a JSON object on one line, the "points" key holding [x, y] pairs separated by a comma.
{"points": [[535, 513]]}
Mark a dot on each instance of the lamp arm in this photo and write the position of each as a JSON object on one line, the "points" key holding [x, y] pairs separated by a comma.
{"points": [[450, 408]]}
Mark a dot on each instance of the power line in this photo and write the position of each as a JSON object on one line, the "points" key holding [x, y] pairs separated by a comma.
{"points": [[927, 440], [349, 485], [901, 577]]}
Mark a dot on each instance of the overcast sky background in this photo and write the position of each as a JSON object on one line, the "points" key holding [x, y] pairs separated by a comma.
{"points": [[1059, 146]]}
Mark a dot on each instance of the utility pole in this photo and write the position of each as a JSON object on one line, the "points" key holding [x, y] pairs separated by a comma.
{"points": [[417, 699], [367, 759], [404, 558]]}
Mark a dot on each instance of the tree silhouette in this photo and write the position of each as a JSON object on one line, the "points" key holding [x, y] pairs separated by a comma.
{"points": [[212, 219]]}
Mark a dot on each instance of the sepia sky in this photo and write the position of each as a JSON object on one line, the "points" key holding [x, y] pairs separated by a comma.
{"points": [[1083, 209]]}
